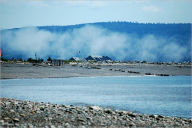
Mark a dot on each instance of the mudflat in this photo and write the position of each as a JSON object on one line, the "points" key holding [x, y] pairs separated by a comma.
{"points": [[21, 70]]}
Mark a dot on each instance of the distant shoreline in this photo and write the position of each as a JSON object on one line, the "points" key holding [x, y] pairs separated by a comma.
{"points": [[86, 77], [27, 71]]}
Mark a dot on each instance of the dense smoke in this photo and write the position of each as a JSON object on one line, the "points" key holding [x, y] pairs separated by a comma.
{"points": [[90, 40]]}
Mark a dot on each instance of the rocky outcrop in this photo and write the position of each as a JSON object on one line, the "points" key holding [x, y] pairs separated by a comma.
{"points": [[16, 113]]}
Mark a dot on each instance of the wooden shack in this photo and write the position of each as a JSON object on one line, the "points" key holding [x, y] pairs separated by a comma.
{"points": [[57, 62]]}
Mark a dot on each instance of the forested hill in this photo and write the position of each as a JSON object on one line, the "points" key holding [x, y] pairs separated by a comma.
{"points": [[182, 30], [118, 40], [179, 31], [129, 27]]}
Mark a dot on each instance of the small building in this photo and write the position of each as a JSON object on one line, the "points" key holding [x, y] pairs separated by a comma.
{"points": [[106, 58], [76, 59], [98, 58], [90, 58], [57, 62]]}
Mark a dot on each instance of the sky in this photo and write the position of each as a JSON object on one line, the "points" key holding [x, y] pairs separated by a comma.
{"points": [[22, 13]]}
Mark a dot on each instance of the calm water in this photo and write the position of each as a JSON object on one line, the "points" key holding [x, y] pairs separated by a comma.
{"points": [[169, 96]]}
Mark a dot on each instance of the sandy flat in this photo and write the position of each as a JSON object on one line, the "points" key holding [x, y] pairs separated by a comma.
{"points": [[12, 71]]}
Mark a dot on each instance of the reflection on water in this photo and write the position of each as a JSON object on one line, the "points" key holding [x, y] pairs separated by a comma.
{"points": [[151, 95]]}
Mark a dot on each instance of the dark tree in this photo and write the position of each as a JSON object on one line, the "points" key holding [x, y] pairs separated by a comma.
{"points": [[49, 59]]}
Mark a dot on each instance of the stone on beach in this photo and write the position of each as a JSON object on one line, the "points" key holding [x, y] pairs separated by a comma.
{"points": [[16, 113]]}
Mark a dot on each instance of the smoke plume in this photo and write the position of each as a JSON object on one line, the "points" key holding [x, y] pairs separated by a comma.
{"points": [[90, 40]]}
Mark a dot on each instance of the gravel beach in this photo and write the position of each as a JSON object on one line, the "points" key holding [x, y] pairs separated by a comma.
{"points": [[27, 114]]}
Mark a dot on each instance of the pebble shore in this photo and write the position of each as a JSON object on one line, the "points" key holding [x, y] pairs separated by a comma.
{"points": [[27, 114]]}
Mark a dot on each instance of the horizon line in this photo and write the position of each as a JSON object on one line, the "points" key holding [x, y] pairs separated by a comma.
{"points": [[134, 22]]}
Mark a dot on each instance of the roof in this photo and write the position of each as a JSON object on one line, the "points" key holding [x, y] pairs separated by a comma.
{"points": [[75, 59], [98, 58]]}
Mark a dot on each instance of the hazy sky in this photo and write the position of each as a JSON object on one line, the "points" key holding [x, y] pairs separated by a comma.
{"points": [[20, 13]]}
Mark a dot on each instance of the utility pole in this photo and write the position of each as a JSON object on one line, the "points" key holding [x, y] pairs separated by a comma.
{"points": [[79, 53], [36, 56]]}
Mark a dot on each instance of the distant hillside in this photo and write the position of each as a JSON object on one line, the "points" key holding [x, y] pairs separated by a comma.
{"points": [[177, 34], [180, 32]]}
